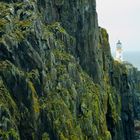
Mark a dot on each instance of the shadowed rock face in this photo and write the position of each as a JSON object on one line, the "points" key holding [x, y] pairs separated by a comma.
{"points": [[79, 18], [58, 80], [134, 80]]}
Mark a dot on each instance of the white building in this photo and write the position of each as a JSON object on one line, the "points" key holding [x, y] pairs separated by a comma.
{"points": [[119, 52]]}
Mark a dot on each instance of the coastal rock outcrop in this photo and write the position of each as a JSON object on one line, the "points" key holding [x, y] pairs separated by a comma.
{"points": [[134, 81], [58, 80]]}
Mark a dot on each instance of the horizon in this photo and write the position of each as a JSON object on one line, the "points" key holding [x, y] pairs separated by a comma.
{"points": [[120, 22], [131, 57]]}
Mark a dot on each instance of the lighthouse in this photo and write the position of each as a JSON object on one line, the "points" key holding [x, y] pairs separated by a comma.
{"points": [[119, 51]]}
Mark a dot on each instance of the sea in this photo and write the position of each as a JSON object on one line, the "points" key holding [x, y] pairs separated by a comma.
{"points": [[132, 57]]}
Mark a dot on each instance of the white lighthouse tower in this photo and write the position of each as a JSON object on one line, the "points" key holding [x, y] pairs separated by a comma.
{"points": [[119, 51]]}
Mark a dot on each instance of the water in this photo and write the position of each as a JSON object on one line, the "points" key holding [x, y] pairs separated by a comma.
{"points": [[132, 57]]}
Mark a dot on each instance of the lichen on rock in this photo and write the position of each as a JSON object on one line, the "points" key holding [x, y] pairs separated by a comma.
{"points": [[58, 80]]}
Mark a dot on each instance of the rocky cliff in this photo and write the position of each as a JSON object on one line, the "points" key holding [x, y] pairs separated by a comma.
{"points": [[134, 81], [58, 80]]}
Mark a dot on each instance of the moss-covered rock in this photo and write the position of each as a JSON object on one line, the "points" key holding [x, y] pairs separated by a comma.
{"points": [[58, 80]]}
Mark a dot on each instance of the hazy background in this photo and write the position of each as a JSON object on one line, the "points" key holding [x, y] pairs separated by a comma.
{"points": [[121, 18]]}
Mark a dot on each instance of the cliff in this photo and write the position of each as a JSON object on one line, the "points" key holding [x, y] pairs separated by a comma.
{"points": [[134, 82], [58, 80]]}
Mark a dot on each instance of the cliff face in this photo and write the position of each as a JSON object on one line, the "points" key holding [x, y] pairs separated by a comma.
{"points": [[79, 19], [134, 81], [58, 80]]}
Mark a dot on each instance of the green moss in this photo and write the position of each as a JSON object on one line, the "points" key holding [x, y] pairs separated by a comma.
{"points": [[60, 44], [60, 118], [56, 26], [33, 74], [14, 134], [107, 136], [6, 101], [61, 69], [114, 105], [36, 106], [86, 119], [23, 24], [57, 34], [5, 9], [18, 35], [119, 68], [3, 23], [45, 136], [47, 34], [104, 37], [3, 135], [62, 137], [11, 134], [8, 106], [63, 56]]}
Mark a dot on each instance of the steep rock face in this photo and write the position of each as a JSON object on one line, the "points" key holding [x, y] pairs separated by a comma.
{"points": [[79, 18], [134, 81], [118, 75], [58, 80]]}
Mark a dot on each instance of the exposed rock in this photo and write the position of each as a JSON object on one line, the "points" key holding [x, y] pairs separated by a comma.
{"points": [[134, 85], [58, 80]]}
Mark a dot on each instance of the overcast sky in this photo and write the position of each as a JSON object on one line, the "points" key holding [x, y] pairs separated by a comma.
{"points": [[121, 18]]}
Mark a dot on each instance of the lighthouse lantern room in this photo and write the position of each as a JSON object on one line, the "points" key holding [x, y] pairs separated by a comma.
{"points": [[119, 51]]}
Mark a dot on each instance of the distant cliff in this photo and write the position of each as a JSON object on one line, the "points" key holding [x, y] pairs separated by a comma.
{"points": [[58, 80]]}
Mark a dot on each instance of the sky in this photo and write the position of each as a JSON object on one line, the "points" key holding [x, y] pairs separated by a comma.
{"points": [[121, 18]]}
